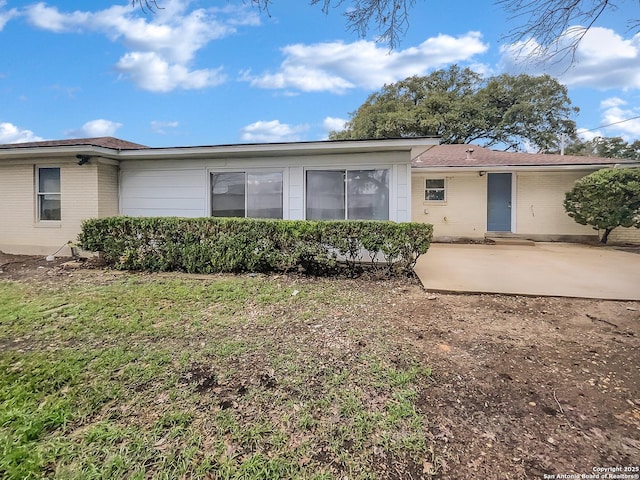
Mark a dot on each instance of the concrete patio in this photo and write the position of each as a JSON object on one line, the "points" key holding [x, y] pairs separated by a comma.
{"points": [[545, 269]]}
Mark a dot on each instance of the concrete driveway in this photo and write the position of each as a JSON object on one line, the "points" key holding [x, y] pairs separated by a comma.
{"points": [[546, 269]]}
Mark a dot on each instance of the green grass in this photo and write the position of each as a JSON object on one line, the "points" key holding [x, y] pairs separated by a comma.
{"points": [[228, 378]]}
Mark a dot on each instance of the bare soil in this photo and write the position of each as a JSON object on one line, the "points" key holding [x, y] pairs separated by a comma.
{"points": [[522, 387]]}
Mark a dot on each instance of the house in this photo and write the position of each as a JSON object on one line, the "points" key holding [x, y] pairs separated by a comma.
{"points": [[471, 192], [48, 188]]}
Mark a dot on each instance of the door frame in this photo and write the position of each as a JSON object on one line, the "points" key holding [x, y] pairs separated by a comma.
{"points": [[513, 202]]}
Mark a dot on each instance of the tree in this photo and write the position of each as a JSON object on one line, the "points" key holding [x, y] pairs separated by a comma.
{"points": [[606, 199], [459, 106], [546, 20], [607, 147]]}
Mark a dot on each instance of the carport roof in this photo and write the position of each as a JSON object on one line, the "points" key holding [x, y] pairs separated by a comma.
{"points": [[465, 155]]}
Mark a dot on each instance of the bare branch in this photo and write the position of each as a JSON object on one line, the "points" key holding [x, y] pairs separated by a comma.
{"points": [[391, 17], [547, 28], [554, 28], [150, 5]]}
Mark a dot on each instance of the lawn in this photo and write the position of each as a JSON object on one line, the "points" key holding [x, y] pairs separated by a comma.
{"points": [[230, 377], [113, 375]]}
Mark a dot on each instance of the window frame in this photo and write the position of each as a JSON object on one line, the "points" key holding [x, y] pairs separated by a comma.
{"points": [[442, 189], [246, 172], [39, 195], [345, 173]]}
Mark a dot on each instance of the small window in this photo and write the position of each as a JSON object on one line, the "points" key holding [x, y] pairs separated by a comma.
{"points": [[246, 194], [434, 190], [48, 193]]}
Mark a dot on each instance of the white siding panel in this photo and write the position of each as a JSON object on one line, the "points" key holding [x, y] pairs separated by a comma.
{"points": [[402, 199], [154, 192], [146, 203], [157, 192], [294, 203], [177, 177], [163, 212]]}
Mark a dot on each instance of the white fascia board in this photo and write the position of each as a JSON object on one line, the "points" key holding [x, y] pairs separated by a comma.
{"points": [[280, 149], [56, 152]]}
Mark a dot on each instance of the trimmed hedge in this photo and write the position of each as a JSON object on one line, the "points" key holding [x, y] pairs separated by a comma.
{"points": [[211, 245]]}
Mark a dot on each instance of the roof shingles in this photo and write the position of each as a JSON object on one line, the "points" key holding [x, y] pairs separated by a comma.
{"points": [[465, 155], [106, 142]]}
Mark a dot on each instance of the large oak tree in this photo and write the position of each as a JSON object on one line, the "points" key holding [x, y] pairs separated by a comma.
{"points": [[460, 106]]}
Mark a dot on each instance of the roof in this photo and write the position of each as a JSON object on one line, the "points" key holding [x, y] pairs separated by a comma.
{"points": [[116, 149], [465, 155], [105, 142]]}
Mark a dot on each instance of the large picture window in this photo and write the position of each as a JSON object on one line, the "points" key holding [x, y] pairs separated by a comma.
{"points": [[48, 193], [246, 194], [347, 194]]}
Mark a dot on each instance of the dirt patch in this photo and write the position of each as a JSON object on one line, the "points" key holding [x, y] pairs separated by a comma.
{"points": [[526, 387], [17, 267], [39, 268], [522, 387]]}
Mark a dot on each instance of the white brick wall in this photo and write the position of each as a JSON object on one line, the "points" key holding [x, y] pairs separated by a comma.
{"points": [[463, 214], [107, 190], [20, 232], [625, 235], [539, 203]]}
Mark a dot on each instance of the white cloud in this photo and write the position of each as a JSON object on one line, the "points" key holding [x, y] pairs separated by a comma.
{"points": [[333, 124], [272, 131], [239, 15], [612, 102], [6, 15], [588, 135], [9, 133], [620, 122], [95, 128], [162, 46], [161, 127], [603, 60], [151, 72], [617, 120], [339, 66], [302, 78], [49, 18]]}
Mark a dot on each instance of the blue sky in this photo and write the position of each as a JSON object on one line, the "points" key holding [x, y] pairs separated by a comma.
{"points": [[223, 72]]}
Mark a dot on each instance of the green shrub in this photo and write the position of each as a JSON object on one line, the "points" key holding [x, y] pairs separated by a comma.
{"points": [[606, 199], [208, 245]]}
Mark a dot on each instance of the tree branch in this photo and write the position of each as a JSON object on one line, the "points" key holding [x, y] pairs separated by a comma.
{"points": [[151, 5], [554, 28]]}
